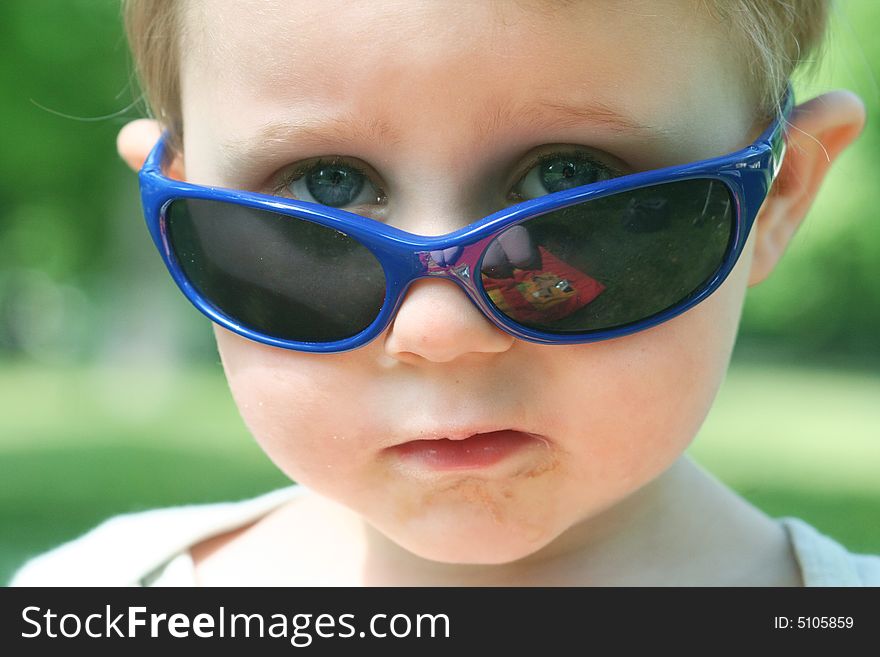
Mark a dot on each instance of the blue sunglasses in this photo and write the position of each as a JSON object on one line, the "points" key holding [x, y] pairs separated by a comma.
{"points": [[587, 263]]}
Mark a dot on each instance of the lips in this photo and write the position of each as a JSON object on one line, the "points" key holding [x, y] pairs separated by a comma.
{"points": [[458, 451]]}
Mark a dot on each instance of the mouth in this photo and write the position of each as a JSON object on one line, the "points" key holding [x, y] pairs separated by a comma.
{"points": [[460, 451]]}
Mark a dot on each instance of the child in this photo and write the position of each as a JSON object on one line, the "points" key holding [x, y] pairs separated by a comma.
{"points": [[450, 448]]}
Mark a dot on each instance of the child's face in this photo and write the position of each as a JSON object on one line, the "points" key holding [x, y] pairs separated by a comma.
{"points": [[461, 98]]}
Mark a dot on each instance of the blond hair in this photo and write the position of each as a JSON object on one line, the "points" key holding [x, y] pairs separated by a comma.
{"points": [[775, 36]]}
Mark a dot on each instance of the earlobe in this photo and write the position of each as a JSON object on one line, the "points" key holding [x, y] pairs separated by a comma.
{"points": [[135, 141], [818, 132]]}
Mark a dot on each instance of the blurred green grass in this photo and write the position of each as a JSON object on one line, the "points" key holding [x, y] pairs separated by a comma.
{"points": [[81, 444]]}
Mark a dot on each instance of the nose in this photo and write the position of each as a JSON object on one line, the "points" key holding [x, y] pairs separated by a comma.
{"points": [[437, 322]]}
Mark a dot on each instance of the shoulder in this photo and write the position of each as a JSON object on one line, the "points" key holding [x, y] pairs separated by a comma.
{"points": [[825, 562], [123, 549]]}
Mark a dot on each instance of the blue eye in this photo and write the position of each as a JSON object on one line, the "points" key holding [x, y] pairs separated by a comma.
{"points": [[337, 184], [333, 183], [556, 172]]}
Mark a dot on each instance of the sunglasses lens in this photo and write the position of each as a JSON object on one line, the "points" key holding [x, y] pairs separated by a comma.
{"points": [[278, 275], [611, 261]]}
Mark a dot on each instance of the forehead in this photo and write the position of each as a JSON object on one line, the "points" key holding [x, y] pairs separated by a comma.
{"points": [[419, 70]]}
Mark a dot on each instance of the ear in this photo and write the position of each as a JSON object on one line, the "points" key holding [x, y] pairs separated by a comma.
{"points": [[819, 130], [135, 141]]}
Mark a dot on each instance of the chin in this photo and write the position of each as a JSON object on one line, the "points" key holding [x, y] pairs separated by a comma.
{"points": [[472, 520], [477, 555], [470, 541]]}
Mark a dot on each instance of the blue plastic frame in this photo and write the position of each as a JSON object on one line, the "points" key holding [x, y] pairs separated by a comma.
{"points": [[748, 173]]}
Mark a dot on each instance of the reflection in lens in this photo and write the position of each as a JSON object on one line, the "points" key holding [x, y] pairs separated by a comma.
{"points": [[282, 276], [610, 261]]}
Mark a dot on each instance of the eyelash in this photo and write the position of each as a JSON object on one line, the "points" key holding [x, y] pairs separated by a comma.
{"points": [[291, 177], [577, 155]]}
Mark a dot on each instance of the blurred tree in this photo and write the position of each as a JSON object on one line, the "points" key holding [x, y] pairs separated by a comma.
{"points": [[64, 68]]}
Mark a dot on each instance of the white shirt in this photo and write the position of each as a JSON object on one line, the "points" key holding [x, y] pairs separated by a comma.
{"points": [[155, 548]]}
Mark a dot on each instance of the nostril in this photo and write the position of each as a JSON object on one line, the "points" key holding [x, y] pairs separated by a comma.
{"points": [[441, 257], [517, 245], [495, 262], [446, 257]]}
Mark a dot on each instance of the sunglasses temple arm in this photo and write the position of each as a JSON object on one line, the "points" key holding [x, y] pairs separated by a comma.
{"points": [[154, 161], [759, 175], [775, 134]]}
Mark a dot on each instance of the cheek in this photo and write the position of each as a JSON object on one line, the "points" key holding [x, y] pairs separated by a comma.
{"points": [[637, 402], [300, 408]]}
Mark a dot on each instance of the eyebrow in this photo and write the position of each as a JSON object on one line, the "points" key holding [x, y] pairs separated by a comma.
{"points": [[244, 154], [546, 115]]}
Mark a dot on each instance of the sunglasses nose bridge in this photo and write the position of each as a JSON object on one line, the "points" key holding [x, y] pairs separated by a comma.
{"points": [[458, 263]]}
